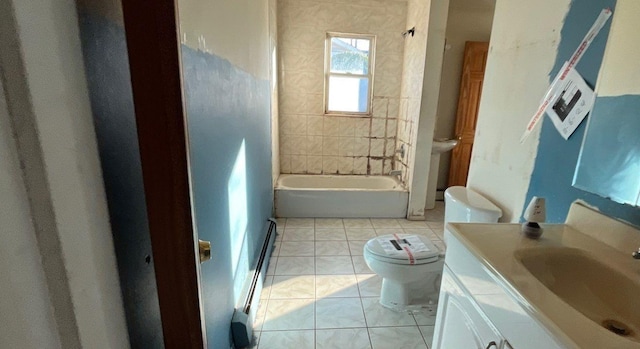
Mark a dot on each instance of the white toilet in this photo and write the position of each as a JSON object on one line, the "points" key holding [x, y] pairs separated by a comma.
{"points": [[411, 265]]}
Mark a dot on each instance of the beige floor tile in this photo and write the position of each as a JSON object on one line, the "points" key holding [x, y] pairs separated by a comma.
{"points": [[329, 223], [339, 313], [334, 265], [369, 285], [295, 266], [297, 248], [357, 247], [360, 234], [300, 223], [331, 286], [289, 314], [385, 223], [412, 224], [379, 316], [396, 337], [295, 286], [352, 338], [427, 334], [287, 339], [298, 234], [357, 223], [425, 318], [330, 234], [332, 248], [360, 266]]}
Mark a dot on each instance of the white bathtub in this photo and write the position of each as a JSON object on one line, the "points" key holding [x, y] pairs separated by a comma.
{"points": [[340, 196]]}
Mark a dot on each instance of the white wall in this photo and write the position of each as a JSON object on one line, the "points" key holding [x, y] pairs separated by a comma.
{"points": [[619, 74], [465, 23], [522, 52], [48, 108], [228, 29], [423, 130], [25, 310]]}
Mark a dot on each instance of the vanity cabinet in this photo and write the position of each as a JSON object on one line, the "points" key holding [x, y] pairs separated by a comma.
{"points": [[477, 310], [462, 324]]}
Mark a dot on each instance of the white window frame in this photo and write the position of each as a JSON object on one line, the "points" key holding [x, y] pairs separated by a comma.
{"points": [[328, 73]]}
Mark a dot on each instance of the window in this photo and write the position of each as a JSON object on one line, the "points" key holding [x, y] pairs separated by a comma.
{"points": [[349, 73]]}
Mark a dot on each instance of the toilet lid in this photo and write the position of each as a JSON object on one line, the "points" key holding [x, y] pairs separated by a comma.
{"points": [[403, 249]]}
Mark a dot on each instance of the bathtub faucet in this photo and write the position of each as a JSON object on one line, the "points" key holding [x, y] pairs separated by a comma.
{"points": [[395, 173]]}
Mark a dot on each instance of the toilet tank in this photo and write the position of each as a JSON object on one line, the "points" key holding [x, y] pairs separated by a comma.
{"points": [[462, 204]]}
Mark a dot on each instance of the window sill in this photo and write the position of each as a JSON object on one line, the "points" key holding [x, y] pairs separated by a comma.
{"points": [[348, 115]]}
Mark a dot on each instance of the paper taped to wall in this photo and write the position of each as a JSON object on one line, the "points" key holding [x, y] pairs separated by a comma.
{"points": [[573, 101], [564, 72]]}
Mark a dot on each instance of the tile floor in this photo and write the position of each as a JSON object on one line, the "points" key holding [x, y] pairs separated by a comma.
{"points": [[319, 292]]}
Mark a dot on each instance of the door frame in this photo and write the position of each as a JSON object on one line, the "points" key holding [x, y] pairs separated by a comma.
{"points": [[154, 57]]}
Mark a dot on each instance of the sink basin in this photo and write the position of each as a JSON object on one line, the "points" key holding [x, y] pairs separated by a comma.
{"points": [[441, 145], [598, 291]]}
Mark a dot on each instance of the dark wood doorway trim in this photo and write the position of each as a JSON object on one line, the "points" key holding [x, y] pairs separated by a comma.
{"points": [[154, 59]]}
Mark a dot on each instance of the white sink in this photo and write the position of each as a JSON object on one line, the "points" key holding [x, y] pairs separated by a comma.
{"points": [[440, 145], [443, 145]]}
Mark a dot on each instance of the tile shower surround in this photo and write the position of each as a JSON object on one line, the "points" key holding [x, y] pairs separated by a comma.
{"points": [[310, 141], [319, 293]]}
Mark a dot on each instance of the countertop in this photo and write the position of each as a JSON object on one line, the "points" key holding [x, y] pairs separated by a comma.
{"points": [[494, 246]]}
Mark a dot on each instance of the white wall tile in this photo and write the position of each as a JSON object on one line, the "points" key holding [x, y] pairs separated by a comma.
{"points": [[302, 27], [392, 128], [386, 167], [361, 146], [331, 146], [379, 106], [296, 145], [314, 145], [394, 108], [377, 147], [307, 81], [285, 163], [298, 124], [314, 125], [390, 147], [376, 166], [346, 146], [360, 165], [362, 127], [378, 127], [345, 165], [314, 164], [329, 164], [331, 126], [346, 126], [298, 164]]}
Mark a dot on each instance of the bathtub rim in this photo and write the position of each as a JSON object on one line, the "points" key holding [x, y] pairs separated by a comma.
{"points": [[278, 186]]}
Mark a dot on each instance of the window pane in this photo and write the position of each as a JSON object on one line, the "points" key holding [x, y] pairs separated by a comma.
{"points": [[350, 55], [348, 94]]}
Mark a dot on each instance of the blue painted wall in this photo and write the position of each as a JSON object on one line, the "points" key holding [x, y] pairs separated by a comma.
{"points": [[226, 109], [556, 160], [106, 63]]}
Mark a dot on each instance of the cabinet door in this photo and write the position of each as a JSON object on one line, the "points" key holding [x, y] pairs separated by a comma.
{"points": [[460, 324]]}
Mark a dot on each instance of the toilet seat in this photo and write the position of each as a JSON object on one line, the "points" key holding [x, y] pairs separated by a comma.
{"points": [[376, 251]]}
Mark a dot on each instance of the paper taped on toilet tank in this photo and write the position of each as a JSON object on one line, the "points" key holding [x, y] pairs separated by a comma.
{"points": [[399, 246]]}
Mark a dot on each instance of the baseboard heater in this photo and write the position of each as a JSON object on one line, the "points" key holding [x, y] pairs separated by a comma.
{"points": [[245, 314]]}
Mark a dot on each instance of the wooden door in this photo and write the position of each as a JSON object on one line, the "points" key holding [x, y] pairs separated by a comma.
{"points": [[154, 59], [475, 59]]}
